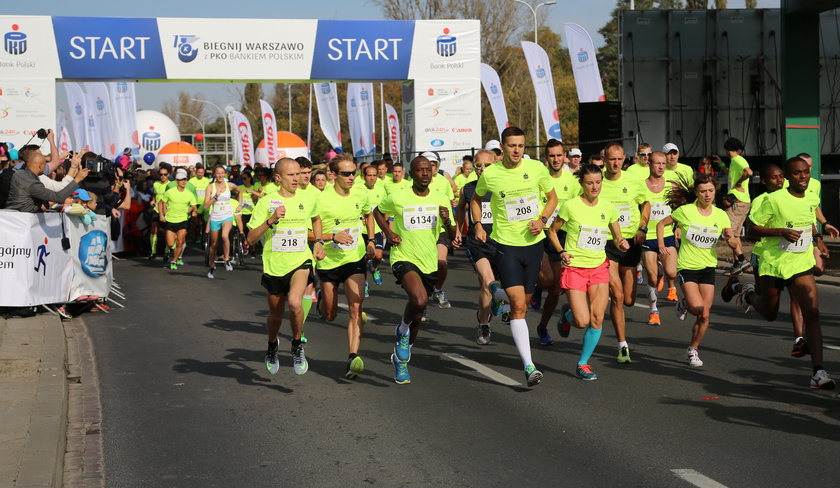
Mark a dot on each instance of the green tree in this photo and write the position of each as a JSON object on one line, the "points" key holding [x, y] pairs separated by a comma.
{"points": [[696, 4]]}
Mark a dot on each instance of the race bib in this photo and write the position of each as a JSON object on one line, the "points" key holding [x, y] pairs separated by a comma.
{"points": [[353, 232], [222, 207], [486, 213], [592, 238], [247, 203], [522, 208], [289, 240], [420, 217], [659, 210], [200, 193], [801, 245], [703, 237], [623, 215]]}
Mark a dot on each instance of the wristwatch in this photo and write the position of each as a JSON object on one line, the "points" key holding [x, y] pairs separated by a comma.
{"points": [[544, 219]]}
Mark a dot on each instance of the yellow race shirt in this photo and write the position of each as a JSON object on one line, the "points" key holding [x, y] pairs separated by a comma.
{"points": [[286, 245], [736, 167], [587, 230], [638, 170], [342, 214], [178, 204], [626, 193], [417, 222], [700, 235], [681, 170], [659, 209], [781, 258]]}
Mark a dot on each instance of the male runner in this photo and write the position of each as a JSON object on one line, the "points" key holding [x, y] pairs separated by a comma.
{"points": [[640, 167], [739, 198], [441, 182], [657, 196], [373, 191], [674, 169], [398, 182], [573, 161]]}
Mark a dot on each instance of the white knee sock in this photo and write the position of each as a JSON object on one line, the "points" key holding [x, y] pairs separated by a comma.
{"points": [[519, 331], [652, 297]]}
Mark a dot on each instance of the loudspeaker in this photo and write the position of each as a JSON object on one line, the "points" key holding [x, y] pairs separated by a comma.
{"points": [[600, 123]]}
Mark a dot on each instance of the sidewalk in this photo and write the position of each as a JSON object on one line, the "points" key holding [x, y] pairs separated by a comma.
{"points": [[33, 401]]}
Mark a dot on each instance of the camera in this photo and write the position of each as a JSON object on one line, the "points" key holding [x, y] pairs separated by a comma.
{"points": [[101, 168], [42, 133]]}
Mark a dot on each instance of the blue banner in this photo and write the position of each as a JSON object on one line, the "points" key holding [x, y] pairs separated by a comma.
{"points": [[362, 50]]}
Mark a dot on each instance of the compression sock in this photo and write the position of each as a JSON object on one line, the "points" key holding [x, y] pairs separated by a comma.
{"points": [[652, 297], [590, 340], [153, 241], [404, 328], [307, 306], [519, 331]]}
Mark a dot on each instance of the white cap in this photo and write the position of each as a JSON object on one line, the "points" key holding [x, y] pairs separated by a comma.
{"points": [[180, 174], [431, 156], [670, 147], [525, 156], [575, 152], [493, 144]]}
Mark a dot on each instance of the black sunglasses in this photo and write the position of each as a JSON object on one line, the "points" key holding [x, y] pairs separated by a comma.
{"points": [[163, 174], [346, 173]]}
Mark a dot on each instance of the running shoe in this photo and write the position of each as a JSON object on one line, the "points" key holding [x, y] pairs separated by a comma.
{"points": [[228, 266], [545, 339], [211, 273], [303, 339], [367, 289], [271, 362], [402, 349], [299, 360], [496, 306], [506, 316], [425, 317], [585, 373], [727, 293], [563, 325], [63, 312], [377, 276], [532, 375], [536, 298], [681, 309], [482, 335], [741, 298], [173, 266], [672, 295], [354, 367], [364, 318], [639, 278], [180, 262], [401, 376], [693, 357], [822, 381], [653, 319], [661, 284], [738, 267], [623, 355], [440, 299], [800, 348]]}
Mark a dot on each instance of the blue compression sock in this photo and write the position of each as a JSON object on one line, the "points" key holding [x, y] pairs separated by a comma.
{"points": [[590, 340]]}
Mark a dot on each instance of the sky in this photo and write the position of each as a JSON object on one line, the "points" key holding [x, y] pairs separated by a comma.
{"points": [[591, 14]]}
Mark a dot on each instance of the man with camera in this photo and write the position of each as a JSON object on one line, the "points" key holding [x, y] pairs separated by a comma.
{"points": [[28, 193]]}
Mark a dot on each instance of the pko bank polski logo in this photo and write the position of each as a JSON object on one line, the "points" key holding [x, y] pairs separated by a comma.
{"points": [[325, 88], [93, 253], [447, 44], [583, 56], [150, 140], [186, 51], [14, 42]]}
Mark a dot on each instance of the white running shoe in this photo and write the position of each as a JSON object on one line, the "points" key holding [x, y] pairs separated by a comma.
{"points": [[680, 309], [693, 358], [822, 381], [741, 297]]}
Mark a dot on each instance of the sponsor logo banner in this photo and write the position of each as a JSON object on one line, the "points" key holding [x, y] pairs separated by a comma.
{"points": [[28, 47]]}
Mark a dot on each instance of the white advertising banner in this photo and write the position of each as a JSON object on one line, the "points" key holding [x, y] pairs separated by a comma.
{"points": [[540, 69], [393, 131], [584, 64], [29, 49], [269, 132], [78, 114], [360, 117], [327, 97], [99, 106], [90, 247], [25, 107], [124, 111], [243, 138], [493, 89], [62, 140], [34, 269], [445, 50]]}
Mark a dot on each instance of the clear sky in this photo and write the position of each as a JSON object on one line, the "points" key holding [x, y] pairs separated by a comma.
{"points": [[591, 14]]}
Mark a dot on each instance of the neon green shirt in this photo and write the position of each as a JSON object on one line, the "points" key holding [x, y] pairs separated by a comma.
{"points": [[373, 195], [758, 248], [814, 187], [247, 204], [178, 204], [779, 257], [190, 187], [626, 193], [416, 222], [638, 170], [737, 166], [515, 200], [160, 188], [587, 230], [286, 245], [441, 184], [684, 170], [391, 186], [343, 213], [461, 180], [700, 236], [659, 209], [200, 185], [566, 186]]}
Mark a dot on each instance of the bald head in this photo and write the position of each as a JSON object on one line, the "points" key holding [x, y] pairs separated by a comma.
{"points": [[287, 173], [36, 162]]}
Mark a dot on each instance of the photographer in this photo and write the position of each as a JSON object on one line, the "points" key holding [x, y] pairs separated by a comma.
{"points": [[102, 181], [28, 193]]}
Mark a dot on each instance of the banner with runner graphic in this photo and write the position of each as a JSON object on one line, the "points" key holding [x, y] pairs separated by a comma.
{"points": [[244, 138], [269, 131], [540, 69], [327, 98], [584, 64], [493, 89], [393, 131], [90, 249]]}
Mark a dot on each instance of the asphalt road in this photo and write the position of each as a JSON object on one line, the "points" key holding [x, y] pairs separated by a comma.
{"points": [[187, 400]]}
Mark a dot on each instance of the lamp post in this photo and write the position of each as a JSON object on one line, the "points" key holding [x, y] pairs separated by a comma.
{"points": [[224, 121], [536, 102], [203, 141]]}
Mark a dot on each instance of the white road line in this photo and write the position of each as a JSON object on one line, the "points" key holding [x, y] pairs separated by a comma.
{"points": [[493, 375], [696, 479], [343, 306], [640, 305], [829, 346]]}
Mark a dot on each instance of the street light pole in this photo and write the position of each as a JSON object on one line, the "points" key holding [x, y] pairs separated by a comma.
{"points": [[536, 101], [203, 135], [224, 121]]}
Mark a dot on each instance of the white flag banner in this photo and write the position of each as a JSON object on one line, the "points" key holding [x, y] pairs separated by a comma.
{"points": [[269, 131], [584, 64], [493, 89], [78, 114], [244, 138], [393, 131], [540, 69], [360, 118], [102, 130], [62, 135], [124, 111], [327, 98]]}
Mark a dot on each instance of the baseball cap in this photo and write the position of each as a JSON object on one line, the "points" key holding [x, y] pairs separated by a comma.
{"points": [[670, 147], [575, 152], [431, 156], [181, 174], [493, 144], [82, 195]]}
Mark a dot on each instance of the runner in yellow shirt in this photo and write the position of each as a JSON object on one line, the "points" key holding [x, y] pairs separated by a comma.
{"points": [[159, 188], [675, 170], [441, 182], [200, 182], [374, 193], [398, 181], [175, 207], [641, 168], [739, 200], [283, 217]]}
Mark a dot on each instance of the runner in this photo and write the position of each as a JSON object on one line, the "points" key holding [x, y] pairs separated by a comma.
{"points": [[319, 179], [373, 192], [465, 176], [217, 199], [175, 207], [283, 217], [640, 168], [159, 189], [200, 182], [657, 195], [441, 182], [701, 223], [739, 200], [517, 231], [310, 192], [398, 182], [785, 222], [344, 211], [629, 195], [419, 215], [588, 221], [573, 161], [675, 170]]}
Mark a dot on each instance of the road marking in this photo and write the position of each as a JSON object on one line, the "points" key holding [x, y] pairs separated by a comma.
{"points": [[640, 305], [493, 375], [343, 306], [829, 346], [696, 479]]}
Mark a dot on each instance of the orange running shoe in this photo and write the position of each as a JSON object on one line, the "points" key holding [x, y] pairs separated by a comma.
{"points": [[672, 295], [661, 283], [653, 319]]}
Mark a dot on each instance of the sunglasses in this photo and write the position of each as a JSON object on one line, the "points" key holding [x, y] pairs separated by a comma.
{"points": [[644, 154], [346, 173], [163, 174]]}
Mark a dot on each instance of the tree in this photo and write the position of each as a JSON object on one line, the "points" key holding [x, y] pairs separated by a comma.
{"points": [[721, 4], [184, 104], [696, 4], [751, 3]]}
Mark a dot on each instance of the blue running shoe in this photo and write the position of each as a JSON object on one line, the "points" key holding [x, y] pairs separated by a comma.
{"points": [[585, 373], [536, 298], [377, 277], [639, 279], [563, 325], [532, 375], [402, 349], [367, 289], [545, 339], [496, 306], [401, 376]]}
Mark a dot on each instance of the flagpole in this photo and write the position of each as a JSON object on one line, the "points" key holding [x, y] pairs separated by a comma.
{"points": [[309, 125], [289, 86], [382, 117]]}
